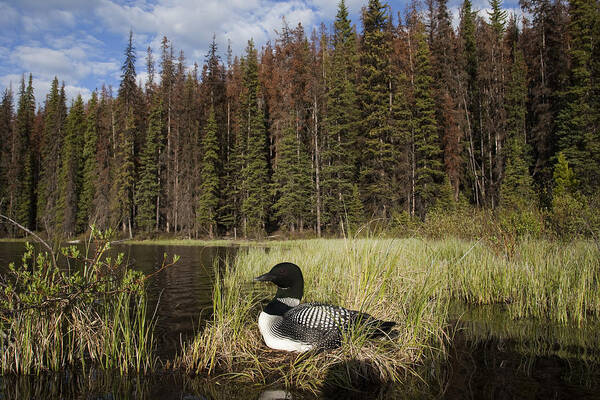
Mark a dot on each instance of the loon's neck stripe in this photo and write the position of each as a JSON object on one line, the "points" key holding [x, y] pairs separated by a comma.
{"points": [[289, 301]]}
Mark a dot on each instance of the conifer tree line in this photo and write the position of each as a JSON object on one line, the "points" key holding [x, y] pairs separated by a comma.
{"points": [[319, 131]]}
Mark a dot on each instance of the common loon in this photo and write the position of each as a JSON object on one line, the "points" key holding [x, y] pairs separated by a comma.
{"points": [[285, 324]]}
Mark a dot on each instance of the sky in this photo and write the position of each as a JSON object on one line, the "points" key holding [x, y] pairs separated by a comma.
{"points": [[82, 41]]}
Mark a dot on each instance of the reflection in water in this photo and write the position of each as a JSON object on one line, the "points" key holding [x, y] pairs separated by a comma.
{"points": [[184, 290], [493, 356], [490, 355], [271, 394]]}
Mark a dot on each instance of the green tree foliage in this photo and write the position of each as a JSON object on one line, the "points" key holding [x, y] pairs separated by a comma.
{"points": [[564, 177], [516, 190], [128, 87], [123, 188], [447, 94], [89, 165], [377, 127], [124, 176], [105, 147], [148, 188], [497, 17], [326, 132], [255, 173], [69, 183], [567, 202], [578, 137], [428, 155], [19, 203], [7, 148], [52, 141], [292, 186], [471, 100], [545, 49], [208, 197], [339, 154]]}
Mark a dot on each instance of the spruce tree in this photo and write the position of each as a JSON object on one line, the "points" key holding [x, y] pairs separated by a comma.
{"points": [[339, 148], [516, 189], [206, 212], [292, 189], [123, 176], [69, 183], [128, 86], [255, 174], [468, 56], [123, 189], [85, 208], [565, 182], [577, 133], [428, 158], [232, 193], [25, 204], [148, 186], [102, 200], [497, 17], [55, 112], [447, 93], [6, 149], [377, 128]]}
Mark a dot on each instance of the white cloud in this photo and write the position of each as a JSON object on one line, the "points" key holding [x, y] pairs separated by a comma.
{"points": [[8, 15], [11, 80], [53, 19], [190, 25], [42, 88]]}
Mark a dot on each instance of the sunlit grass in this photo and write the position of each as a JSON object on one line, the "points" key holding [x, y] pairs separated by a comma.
{"points": [[354, 274], [410, 281]]}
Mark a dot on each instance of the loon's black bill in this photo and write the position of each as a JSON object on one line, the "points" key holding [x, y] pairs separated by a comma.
{"points": [[268, 277]]}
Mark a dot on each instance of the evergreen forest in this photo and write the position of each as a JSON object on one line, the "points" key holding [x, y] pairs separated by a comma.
{"points": [[401, 116]]}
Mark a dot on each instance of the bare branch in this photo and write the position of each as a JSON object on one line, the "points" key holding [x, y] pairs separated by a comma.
{"points": [[39, 239]]}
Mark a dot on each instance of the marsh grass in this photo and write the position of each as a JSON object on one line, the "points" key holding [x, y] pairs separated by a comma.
{"points": [[410, 281], [54, 318], [354, 274]]}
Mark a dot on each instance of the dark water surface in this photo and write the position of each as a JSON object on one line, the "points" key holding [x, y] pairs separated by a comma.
{"points": [[491, 355]]}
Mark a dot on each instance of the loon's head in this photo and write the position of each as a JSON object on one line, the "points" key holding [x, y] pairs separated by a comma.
{"points": [[288, 278]]}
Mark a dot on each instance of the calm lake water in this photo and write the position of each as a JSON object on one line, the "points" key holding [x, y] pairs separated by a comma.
{"points": [[491, 356]]}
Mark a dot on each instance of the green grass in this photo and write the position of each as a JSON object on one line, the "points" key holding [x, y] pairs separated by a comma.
{"points": [[355, 274], [411, 281]]}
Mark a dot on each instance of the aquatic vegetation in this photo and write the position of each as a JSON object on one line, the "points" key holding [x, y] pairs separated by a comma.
{"points": [[89, 314], [353, 274], [92, 312], [410, 281]]}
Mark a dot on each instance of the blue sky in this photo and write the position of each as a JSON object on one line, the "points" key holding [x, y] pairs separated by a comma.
{"points": [[82, 41]]}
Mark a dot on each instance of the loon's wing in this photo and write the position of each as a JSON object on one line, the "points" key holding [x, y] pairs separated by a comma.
{"points": [[332, 320], [321, 316], [319, 325]]}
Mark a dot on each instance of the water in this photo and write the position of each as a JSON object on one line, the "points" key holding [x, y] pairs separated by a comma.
{"points": [[491, 356]]}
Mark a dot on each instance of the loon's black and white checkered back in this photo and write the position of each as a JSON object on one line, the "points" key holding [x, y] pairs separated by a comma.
{"points": [[320, 316], [318, 325]]}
